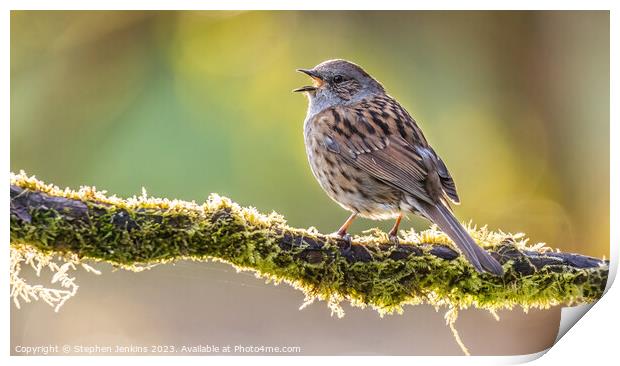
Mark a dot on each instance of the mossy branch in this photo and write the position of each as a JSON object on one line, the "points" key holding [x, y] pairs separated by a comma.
{"points": [[423, 268]]}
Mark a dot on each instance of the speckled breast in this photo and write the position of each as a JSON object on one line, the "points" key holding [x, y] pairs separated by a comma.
{"points": [[350, 187]]}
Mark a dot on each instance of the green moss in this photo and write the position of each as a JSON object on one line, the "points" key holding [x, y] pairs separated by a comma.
{"points": [[143, 231]]}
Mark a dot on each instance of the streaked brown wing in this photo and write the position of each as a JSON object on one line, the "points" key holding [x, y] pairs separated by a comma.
{"points": [[396, 165], [410, 131], [377, 140], [447, 182], [363, 144]]}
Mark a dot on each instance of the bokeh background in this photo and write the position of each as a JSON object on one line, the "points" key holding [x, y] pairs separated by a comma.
{"points": [[189, 103]]}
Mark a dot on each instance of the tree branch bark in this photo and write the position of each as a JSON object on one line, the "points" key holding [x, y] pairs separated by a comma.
{"points": [[370, 272]]}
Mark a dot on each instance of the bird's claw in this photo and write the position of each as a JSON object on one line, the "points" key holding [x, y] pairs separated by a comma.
{"points": [[394, 239], [346, 237]]}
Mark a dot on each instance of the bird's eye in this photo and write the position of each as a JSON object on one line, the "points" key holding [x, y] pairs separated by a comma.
{"points": [[337, 79]]}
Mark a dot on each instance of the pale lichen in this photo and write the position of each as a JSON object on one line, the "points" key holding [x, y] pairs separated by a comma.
{"points": [[143, 231], [59, 267], [59, 229]]}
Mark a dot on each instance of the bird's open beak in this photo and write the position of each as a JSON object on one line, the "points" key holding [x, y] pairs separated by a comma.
{"points": [[316, 78]]}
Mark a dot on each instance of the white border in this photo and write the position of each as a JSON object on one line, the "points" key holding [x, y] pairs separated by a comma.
{"points": [[591, 341]]}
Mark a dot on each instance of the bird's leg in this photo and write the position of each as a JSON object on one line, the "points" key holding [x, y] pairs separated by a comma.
{"points": [[342, 232], [394, 232]]}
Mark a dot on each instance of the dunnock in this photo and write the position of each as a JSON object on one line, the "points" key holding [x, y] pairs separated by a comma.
{"points": [[371, 157]]}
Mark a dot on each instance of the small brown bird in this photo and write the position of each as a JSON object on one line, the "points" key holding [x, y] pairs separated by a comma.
{"points": [[371, 157]]}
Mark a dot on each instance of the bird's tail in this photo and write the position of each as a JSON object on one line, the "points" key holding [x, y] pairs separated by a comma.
{"points": [[479, 258]]}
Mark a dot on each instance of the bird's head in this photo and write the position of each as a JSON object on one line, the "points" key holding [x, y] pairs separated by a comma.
{"points": [[339, 82]]}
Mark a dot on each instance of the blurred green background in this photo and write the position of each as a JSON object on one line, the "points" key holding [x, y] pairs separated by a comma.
{"points": [[189, 103]]}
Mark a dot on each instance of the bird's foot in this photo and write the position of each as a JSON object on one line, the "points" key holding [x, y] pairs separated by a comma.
{"points": [[346, 237], [394, 239]]}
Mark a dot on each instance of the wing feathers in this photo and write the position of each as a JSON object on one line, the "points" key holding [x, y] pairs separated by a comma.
{"points": [[381, 138]]}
